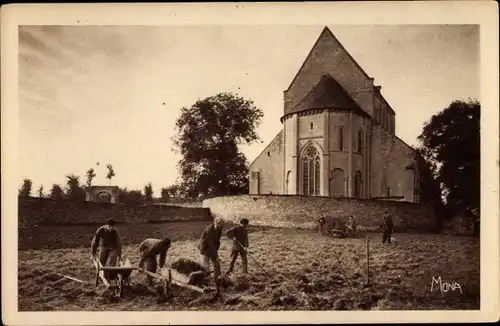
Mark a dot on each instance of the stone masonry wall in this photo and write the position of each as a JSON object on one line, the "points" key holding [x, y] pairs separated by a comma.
{"points": [[36, 211], [390, 157], [303, 212]]}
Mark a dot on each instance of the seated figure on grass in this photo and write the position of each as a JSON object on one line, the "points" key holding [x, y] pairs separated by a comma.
{"points": [[149, 249]]}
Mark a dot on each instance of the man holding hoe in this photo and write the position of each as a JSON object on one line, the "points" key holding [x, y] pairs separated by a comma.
{"points": [[239, 234]]}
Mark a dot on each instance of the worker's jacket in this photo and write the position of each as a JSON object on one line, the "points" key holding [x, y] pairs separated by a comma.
{"points": [[387, 224], [238, 234], [107, 239], [210, 241], [150, 248]]}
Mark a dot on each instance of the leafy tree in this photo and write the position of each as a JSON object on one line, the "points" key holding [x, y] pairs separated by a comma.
{"points": [[450, 143], [73, 190], [130, 196], [25, 190], [111, 173], [56, 192], [148, 192], [208, 135], [165, 194], [40, 191], [134, 197], [90, 176]]}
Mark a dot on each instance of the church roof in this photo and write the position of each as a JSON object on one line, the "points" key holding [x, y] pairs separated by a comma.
{"points": [[327, 93], [328, 56]]}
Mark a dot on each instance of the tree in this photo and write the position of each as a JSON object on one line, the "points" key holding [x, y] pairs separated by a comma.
{"points": [[40, 191], [148, 192], [111, 173], [90, 176], [165, 195], [134, 197], [130, 196], [25, 190], [208, 135], [450, 143], [56, 192], [73, 190]]}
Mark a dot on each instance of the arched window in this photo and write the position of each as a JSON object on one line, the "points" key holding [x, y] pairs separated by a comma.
{"points": [[316, 176], [341, 138], [311, 172], [360, 141], [305, 177], [287, 185], [337, 183], [357, 184]]}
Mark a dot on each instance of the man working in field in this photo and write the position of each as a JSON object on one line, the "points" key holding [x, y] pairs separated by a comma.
{"points": [[149, 249], [108, 238], [209, 246], [387, 226], [239, 234], [350, 226]]}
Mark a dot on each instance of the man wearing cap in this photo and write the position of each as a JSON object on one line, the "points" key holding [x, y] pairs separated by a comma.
{"points": [[387, 225], [239, 234], [149, 249], [209, 245], [109, 242]]}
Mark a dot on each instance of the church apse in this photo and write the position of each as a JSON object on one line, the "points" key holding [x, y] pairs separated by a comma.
{"points": [[338, 137]]}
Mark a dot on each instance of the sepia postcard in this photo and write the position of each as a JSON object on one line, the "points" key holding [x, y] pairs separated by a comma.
{"points": [[240, 163]]}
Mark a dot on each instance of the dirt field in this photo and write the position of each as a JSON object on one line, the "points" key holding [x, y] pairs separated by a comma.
{"points": [[305, 274]]}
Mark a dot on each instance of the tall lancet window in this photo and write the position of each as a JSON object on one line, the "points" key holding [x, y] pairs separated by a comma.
{"points": [[311, 172]]}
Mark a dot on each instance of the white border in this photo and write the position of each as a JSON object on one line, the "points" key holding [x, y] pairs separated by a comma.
{"points": [[484, 13]]}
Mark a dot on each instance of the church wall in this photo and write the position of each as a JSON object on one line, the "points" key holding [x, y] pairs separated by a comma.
{"points": [[290, 126], [388, 162], [304, 211], [269, 165], [306, 131], [329, 57]]}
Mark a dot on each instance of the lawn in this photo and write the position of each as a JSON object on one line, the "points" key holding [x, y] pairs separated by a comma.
{"points": [[308, 271]]}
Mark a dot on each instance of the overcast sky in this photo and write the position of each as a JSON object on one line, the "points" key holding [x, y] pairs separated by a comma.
{"points": [[111, 94]]}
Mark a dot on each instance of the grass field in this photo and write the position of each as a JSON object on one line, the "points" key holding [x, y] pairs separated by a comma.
{"points": [[304, 269]]}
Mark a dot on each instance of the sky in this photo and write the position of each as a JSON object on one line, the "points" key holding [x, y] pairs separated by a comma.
{"points": [[111, 94]]}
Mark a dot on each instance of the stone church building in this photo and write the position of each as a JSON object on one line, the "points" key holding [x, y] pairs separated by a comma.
{"points": [[338, 137]]}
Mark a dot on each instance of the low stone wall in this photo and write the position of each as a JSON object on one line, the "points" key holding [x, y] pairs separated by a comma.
{"points": [[34, 211], [303, 212]]}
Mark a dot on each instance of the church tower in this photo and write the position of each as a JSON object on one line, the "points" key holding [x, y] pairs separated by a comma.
{"points": [[338, 135]]}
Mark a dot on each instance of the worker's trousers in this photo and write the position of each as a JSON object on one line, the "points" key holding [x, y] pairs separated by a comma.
{"points": [[244, 261], [108, 257], [206, 260]]}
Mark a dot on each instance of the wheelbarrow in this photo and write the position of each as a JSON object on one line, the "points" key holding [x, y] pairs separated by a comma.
{"points": [[121, 274]]}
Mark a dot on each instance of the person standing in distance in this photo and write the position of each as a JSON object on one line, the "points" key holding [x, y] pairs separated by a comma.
{"points": [[387, 227]]}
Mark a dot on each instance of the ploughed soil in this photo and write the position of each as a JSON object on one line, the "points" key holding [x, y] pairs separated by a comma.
{"points": [[304, 271]]}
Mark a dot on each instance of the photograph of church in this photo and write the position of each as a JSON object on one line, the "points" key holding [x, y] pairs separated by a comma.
{"points": [[338, 137]]}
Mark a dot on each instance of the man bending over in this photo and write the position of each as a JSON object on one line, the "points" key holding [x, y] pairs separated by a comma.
{"points": [[149, 249]]}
